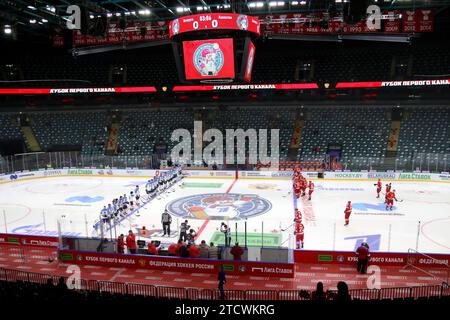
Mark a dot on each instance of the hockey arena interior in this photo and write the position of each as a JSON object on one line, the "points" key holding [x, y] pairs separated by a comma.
{"points": [[225, 150]]}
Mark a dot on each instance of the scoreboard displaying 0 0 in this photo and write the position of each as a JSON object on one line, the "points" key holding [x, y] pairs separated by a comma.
{"points": [[209, 59], [214, 21]]}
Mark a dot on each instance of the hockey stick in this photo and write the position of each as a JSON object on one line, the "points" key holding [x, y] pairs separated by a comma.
{"points": [[287, 227]]}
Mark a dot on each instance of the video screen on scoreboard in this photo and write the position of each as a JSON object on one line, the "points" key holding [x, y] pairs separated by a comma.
{"points": [[209, 59], [249, 62]]}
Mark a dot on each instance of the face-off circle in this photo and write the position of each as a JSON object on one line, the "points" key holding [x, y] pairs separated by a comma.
{"points": [[219, 206]]}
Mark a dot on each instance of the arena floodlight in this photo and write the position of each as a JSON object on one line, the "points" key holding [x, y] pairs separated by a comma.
{"points": [[109, 15], [44, 20], [272, 4], [7, 29], [31, 7], [50, 8], [32, 21], [294, 3]]}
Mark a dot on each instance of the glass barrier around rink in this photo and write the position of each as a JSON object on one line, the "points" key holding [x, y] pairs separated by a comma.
{"points": [[429, 162], [381, 230], [56, 160]]}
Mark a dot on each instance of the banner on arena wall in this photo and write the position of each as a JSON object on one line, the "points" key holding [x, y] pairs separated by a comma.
{"points": [[28, 240], [26, 91], [281, 270], [209, 173], [378, 258], [393, 84], [228, 87]]}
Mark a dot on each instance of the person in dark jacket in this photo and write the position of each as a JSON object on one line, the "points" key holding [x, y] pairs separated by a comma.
{"points": [[363, 257], [166, 220], [222, 280]]}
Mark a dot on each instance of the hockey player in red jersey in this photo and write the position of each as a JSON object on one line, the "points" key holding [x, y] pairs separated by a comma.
{"points": [[348, 212], [297, 189], [304, 185], [388, 189], [390, 197], [299, 234], [298, 215], [311, 189], [379, 187]]}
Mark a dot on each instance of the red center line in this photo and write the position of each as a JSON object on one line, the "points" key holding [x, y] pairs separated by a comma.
{"points": [[205, 223]]}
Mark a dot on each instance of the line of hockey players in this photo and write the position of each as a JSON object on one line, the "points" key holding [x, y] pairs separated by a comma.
{"points": [[300, 184], [389, 197], [120, 207]]}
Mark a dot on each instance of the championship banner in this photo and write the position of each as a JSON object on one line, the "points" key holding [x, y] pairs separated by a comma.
{"points": [[26, 91], [418, 21], [289, 86], [208, 59]]}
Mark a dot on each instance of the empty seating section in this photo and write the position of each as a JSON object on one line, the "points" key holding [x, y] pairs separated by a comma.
{"points": [[141, 131], [9, 127], [362, 133], [71, 128], [424, 134], [274, 118]]}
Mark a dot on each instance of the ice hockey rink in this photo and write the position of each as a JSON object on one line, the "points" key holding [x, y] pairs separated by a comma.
{"points": [[261, 209]]}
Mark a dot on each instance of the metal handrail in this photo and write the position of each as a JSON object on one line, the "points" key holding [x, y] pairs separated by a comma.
{"points": [[12, 275]]}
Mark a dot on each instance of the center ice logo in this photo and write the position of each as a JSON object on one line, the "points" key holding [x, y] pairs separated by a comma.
{"points": [[219, 206], [208, 59]]}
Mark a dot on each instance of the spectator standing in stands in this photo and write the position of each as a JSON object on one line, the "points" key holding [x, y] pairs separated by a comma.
{"points": [[204, 249], [213, 251], [166, 220], [237, 252], [318, 295], [194, 251], [120, 244], [61, 286], [222, 280], [342, 295], [152, 250], [131, 242], [363, 257]]}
